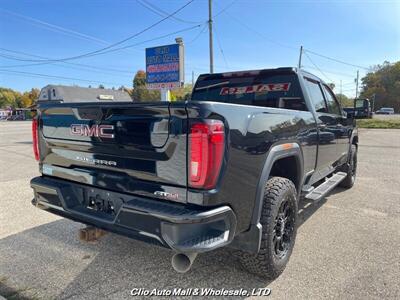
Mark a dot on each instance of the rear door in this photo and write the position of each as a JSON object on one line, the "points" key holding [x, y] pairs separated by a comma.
{"points": [[134, 148]]}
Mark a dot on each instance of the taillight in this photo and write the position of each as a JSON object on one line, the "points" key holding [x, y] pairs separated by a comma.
{"points": [[206, 151], [35, 140]]}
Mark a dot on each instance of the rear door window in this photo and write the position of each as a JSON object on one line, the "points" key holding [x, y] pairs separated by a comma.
{"points": [[316, 95], [333, 105], [268, 90]]}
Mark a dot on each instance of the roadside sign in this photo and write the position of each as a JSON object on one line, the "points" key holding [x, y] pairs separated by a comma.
{"points": [[164, 67]]}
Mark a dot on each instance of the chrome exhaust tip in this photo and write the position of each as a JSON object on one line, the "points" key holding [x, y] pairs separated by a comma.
{"points": [[182, 262]]}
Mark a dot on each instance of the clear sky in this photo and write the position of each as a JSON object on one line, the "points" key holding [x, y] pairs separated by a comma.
{"points": [[249, 34]]}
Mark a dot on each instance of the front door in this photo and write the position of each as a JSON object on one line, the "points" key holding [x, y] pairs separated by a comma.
{"points": [[327, 124], [342, 130]]}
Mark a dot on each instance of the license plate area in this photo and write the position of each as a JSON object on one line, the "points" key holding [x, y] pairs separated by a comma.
{"points": [[98, 203], [102, 201]]}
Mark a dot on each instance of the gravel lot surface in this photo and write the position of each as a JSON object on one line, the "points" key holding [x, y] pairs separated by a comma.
{"points": [[348, 244]]}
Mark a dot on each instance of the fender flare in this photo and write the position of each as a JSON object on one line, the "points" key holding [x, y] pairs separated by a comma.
{"points": [[354, 134], [277, 152], [250, 240]]}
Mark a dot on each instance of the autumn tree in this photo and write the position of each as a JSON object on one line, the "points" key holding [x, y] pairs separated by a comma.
{"points": [[9, 98], [383, 85], [140, 92], [29, 98], [14, 99], [182, 94], [344, 100]]}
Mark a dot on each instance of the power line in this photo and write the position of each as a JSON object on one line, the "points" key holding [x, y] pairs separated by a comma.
{"points": [[220, 47], [284, 45], [239, 21], [49, 61], [166, 16], [162, 13], [224, 9], [82, 67], [199, 34], [67, 63], [336, 60], [147, 41], [331, 72], [29, 74], [56, 28], [119, 42], [318, 67]]}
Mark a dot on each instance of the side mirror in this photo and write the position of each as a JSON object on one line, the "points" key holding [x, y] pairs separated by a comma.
{"points": [[359, 113], [350, 115]]}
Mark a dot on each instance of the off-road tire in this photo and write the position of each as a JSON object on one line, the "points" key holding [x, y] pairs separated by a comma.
{"points": [[266, 263], [351, 169]]}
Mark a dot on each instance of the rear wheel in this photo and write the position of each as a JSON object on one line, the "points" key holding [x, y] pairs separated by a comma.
{"points": [[351, 169], [279, 221]]}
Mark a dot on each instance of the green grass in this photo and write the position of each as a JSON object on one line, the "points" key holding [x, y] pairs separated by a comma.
{"points": [[376, 123]]}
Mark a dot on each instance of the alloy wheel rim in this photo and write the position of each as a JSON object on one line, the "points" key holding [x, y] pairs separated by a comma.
{"points": [[283, 230]]}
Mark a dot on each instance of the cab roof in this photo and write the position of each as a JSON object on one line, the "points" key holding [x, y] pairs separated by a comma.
{"points": [[279, 70]]}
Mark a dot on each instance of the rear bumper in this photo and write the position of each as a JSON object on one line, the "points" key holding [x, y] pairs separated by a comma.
{"points": [[183, 228]]}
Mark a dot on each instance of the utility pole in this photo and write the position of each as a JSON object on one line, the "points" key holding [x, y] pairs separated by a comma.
{"points": [[373, 103], [358, 74], [192, 79], [341, 91], [301, 54], [210, 21]]}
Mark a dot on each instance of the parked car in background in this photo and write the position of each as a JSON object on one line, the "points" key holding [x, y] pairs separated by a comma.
{"points": [[4, 113], [3, 117], [18, 114], [385, 111]]}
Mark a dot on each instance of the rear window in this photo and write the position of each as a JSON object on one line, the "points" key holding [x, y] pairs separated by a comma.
{"points": [[267, 90]]}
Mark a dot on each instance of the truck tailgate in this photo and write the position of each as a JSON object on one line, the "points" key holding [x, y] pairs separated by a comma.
{"points": [[138, 148]]}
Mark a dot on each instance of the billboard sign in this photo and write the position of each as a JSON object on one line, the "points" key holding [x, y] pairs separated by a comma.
{"points": [[164, 67]]}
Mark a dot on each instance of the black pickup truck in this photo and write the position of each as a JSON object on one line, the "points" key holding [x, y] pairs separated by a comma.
{"points": [[226, 168]]}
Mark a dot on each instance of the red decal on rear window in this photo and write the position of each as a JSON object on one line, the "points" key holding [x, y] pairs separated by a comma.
{"points": [[258, 88]]}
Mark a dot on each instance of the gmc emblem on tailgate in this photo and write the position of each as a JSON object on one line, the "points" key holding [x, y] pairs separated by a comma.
{"points": [[102, 131]]}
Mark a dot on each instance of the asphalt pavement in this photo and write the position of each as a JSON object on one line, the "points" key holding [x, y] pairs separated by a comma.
{"points": [[348, 244]]}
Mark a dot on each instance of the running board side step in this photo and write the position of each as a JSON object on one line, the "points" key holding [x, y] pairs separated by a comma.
{"points": [[323, 189]]}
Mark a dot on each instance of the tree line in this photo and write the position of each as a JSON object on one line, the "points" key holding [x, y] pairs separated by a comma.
{"points": [[15, 99], [383, 85]]}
